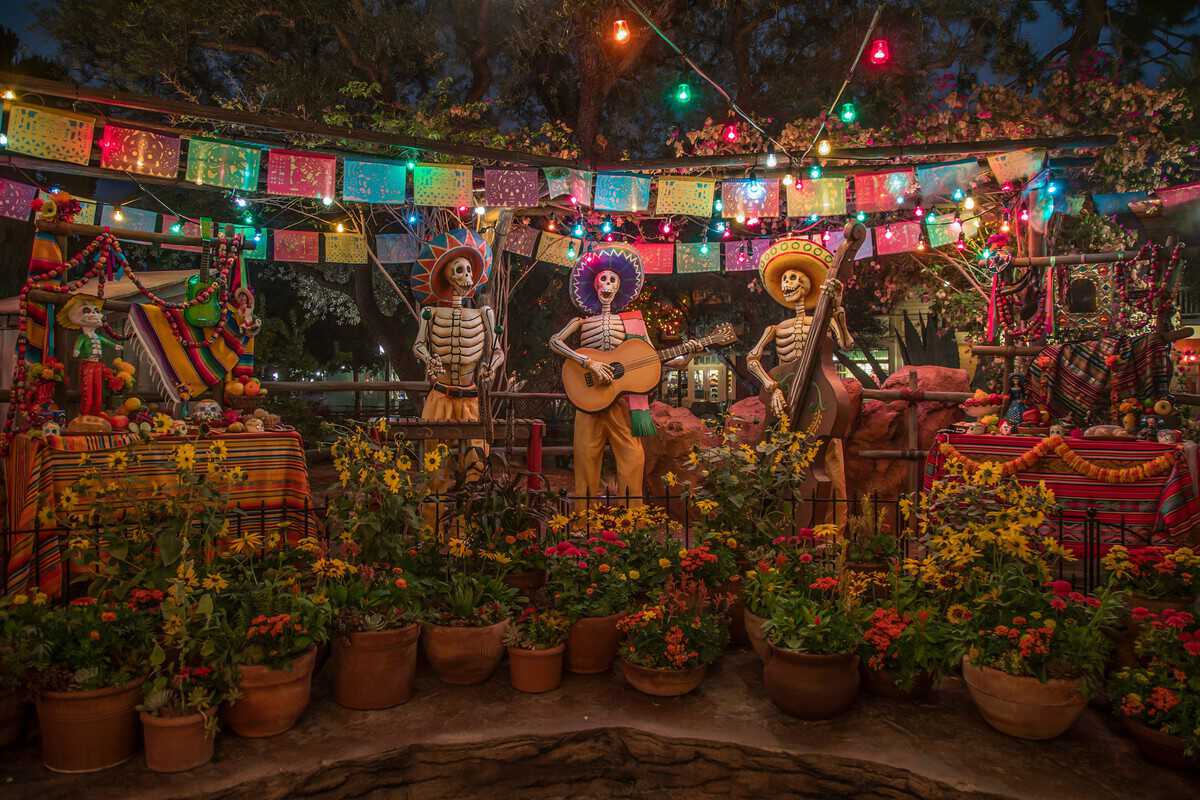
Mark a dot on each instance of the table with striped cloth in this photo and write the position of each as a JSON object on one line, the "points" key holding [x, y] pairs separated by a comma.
{"points": [[1159, 510], [276, 489]]}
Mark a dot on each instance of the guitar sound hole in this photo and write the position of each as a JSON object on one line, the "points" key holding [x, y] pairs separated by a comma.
{"points": [[618, 369], [588, 380]]}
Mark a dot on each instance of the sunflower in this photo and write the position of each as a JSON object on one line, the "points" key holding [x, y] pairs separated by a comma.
{"points": [[162, 423], [391, 479], [118, 460], [219, 451], [957, 614], [215, 582], [433, 461], [185, 457], [246, 542]]}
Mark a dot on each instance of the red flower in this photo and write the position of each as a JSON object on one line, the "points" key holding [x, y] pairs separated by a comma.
{"points": [[1057, 603], [84, 601], [401, 583], [1060, 588], [824, 584], [108, 616], [806, 558], [1192, 648]]}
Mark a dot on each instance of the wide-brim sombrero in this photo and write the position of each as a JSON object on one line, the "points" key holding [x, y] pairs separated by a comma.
{"points": [[429, 283], [621, 259], [801, 255], [63, 317]]}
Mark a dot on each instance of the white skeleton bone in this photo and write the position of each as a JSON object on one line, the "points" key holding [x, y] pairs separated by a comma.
{"points": [[451, 343]]}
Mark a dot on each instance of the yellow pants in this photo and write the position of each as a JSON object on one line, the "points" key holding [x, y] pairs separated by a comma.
{"points": [[592, 431], [443, 408]]}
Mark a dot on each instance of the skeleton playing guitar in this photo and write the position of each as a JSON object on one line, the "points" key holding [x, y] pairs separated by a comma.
{"points": [[636, 367]]}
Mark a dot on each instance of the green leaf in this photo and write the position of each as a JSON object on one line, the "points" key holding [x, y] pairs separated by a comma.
{"points": [[205, 606], [157, 656], [169, 548]]}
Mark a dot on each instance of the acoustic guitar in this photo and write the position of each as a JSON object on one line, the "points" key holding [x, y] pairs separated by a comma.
{"points": [[636, 367]]}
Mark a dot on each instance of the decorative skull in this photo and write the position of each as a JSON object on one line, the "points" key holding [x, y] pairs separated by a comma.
{"points": [[51, 428], [206, 411], [607, 284], [87, 316], [1058, 430], [460, 275], [795, 286]]}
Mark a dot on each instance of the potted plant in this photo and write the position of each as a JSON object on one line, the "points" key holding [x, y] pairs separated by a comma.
{"points": [[464, 631], [17, 614], [589, 581], [715, 563], [504, 517], [906, 644], [1157, 578], [87, 668], [1159, 700], [668, 645], [787, 565], [536, 641], [872, 545]]}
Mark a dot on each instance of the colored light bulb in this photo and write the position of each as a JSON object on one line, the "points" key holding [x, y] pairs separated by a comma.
{"points": [[814, 171], [683, 93], [620, 31], [880, 52], [848, 113]]}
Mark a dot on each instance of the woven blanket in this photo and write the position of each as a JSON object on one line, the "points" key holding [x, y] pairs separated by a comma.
{"points": [[181, 368], [1077, 382], [276, 490]]}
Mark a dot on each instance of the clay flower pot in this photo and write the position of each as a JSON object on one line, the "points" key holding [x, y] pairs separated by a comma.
{"points": [[592, 644], [663, 682], [526, 581], [811, 686], [754, 632], [882, 683], [464, 656], [12, 719], [375, 669], [177, 744], [1160, 748], [272, 700], [1024, 707], [89, 731], [535, 671]]}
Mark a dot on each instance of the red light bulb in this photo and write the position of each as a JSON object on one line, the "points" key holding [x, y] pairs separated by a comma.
{"points": [[730, 132], [880, 52], [621, 31], [665, 227]]}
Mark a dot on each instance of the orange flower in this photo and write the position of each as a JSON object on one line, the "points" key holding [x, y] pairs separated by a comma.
{"points": [[108, 616], [94, 636]]}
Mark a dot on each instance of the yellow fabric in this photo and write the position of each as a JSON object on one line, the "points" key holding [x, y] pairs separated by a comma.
{"points": [[592, 432], [440, 407]]}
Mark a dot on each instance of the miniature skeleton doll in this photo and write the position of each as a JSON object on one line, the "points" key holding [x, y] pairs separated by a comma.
{"points": [[456, 344], [82, 313], [603, 283]]}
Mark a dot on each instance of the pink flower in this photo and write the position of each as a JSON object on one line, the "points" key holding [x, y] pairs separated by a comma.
{"points": [[582, 565], [1060, 588]]}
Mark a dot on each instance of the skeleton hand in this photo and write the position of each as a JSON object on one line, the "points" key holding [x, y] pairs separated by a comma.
{"points": [[434, 368], [485, 373], [692, 346], [602, 371], [778, 403]]}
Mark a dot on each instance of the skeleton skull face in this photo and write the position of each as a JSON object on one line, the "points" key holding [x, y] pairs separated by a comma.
{"points": [[607, 284], [460, 275], [795, 285], [87, 316]]}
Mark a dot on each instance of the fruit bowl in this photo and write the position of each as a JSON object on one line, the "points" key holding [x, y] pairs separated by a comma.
{"points": [[980, 411]]}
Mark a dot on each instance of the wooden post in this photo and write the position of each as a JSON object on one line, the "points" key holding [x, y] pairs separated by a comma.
{"points": [[533, 456], [914, 433]]}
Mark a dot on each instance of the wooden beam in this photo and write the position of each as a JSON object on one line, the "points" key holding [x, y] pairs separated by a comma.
{"points": [[72, 229], [915, 396], [1079, 259]]}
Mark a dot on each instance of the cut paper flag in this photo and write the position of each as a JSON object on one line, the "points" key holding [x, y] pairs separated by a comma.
{"points": [[374, 181], [553, 247], [521, 240], [396, 248], [825, 197], [345, 248], [212, 162], [882, 191], [143, 152], [753, 198], [1117, 203], [939, 181], [942, 231], [87, 209], [658, 258], [253, 251], [620, 192], [50, 134], [189, 229], [132, 219], [690, 196], [836, 237], [1178, 195], [443, 185], [295, 173], [298, 246], [696, 257], [1019, 165], [743, 256], [510, 188], [563, 181], [16, 199], [899, 237]]}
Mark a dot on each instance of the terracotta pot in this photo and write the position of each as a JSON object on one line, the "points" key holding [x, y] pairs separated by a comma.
{"points": [[663, 682], [882, 683], [1024, 707], [811, 686], [592, 644], [754, 632], [1160, 748], [272, 700], [526, 581], [535, 671], [89, 731], [737, 617], [375, 669], [1124, 652], [177, 744], [12, 719], [464, 656]]}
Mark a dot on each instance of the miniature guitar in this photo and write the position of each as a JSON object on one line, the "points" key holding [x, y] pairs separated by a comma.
{"points": [[636, 366], [208, 313]]}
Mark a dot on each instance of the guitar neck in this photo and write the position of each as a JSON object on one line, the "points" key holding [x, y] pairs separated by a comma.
{"points": [[675, 352]]}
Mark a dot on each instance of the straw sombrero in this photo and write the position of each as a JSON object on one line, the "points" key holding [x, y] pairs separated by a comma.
{"points": [[429, 284], [621, 259], [798, 254]]}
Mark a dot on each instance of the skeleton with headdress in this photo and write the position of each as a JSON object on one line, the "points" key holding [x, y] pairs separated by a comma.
{"points": [[602, 284], [456, 344]]}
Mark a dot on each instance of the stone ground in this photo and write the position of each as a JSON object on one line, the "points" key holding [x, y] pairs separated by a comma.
{"points": [[597, 738]]}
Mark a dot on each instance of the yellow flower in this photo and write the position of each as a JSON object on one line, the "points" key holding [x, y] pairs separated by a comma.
{"points": [[391, 479], [557, 523], [707, 507], [186, 572], [80, 544], [237, 474], [320, 599], [634, 574], [40, 598], [247, 542], [458, 548], [381, 425], [683, 552], [344, 477], [118, 460], [215, 582], [84, 458], [20, 599], [185, 457], [162, 423], [45, 516], [693, 459], [404, 463], [664, 562], [68, 499], [731, 543], [957, 614], [219, 451], [433, 461], [669, 479]]}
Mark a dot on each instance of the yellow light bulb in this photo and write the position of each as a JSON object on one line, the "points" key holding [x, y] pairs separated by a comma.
{"points": [[969, 203], [740, 218], [340, 228], [118, 216], [9, 94], [788, 179], [824, 147]]}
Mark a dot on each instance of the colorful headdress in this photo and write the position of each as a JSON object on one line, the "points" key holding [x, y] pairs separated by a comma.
{"points": [[429, 282], [801, 255], [621, 259], [75, 301]]}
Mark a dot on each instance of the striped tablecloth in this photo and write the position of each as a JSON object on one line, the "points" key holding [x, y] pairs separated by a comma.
{"points": [[276, 488], [1159, 510]]}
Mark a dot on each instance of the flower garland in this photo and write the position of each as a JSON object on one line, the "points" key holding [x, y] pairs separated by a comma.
{"points": [[1157, 301], [1081, 466]]}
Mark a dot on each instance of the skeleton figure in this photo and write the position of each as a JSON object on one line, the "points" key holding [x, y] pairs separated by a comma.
{"points": [[598, 287], [82, 313]]}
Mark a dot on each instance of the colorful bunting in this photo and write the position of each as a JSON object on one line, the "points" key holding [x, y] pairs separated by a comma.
{"points": [[298, 246], [620, 192], [443, 185], [938, 182], [396, 248], [836, 237], [132, 219], [1178, 195], [188, 229], [214, 162], [521, 240], [50, 133], [295, 173], [751, 198], [941, 230], [899, 237], [554, 248], [510, 188], [825, 197], [374, 182], [562, 181], [345, 248], [691, 196], [143, 152], [252, 250], [16, 199], [1019, 165], [696, 257], [658, 258], [743, 256], [882, 191]]}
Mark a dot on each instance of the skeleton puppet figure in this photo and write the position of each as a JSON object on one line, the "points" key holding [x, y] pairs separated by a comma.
{"points": [[602, 283], [82, 313], [456, 344]]}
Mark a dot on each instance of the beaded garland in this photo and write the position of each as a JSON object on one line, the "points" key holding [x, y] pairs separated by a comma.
{"points": [[1157, 301]]}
